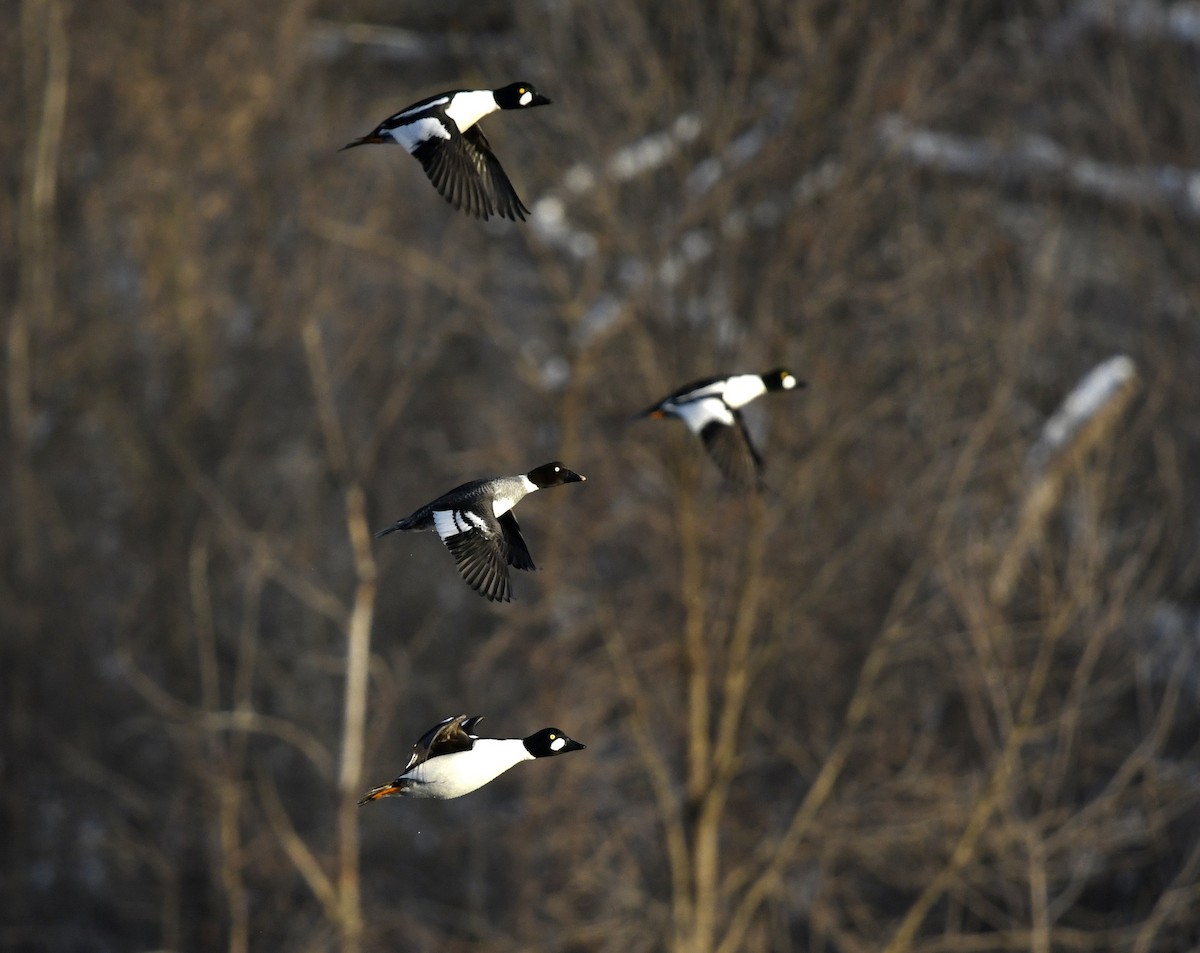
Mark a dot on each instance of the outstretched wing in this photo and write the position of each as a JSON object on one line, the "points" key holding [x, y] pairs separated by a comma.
{"points": [[495, 182], [477, 544], [515, 550], [730, 447], [469, 176], [447, 736]]}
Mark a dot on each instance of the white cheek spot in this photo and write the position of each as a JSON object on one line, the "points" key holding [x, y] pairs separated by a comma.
{"points": [[526, 98], [557, 744]]}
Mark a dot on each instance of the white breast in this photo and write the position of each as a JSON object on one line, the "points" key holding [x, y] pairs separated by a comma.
{"points": [[453, 775], [503, 502], [743, 388], [468, 108]]}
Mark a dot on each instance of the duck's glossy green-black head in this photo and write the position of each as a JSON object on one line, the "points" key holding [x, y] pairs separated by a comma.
{"points": [[549, 742], [553, 474], [519, 95]]}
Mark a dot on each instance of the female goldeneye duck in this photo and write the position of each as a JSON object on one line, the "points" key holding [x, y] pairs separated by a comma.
{"points": [[442, 133], [712, 410], [451, 760], [476, 523]]}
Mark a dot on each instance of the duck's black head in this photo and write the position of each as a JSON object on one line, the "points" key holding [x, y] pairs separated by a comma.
{"points": [[550, 741], [553, 474], [520, 95], [781, 379]]}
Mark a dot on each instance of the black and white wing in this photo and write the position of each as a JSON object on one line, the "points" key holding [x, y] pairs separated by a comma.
{"points": [[477, 543], [515, 550], [468, 175], [446, 737], [732, 451]]}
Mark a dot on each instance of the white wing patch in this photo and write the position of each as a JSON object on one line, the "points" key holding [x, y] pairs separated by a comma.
{"points": [[453, 522], [715, 389], [423, 106], [410, 135], [698, 414]]}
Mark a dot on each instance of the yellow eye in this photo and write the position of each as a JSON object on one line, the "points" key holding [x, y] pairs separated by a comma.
{"points": [[521, 90], [553, 736]]}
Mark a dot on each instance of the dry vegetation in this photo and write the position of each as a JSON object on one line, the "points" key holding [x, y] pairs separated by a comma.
{"points": [[936, 691]]}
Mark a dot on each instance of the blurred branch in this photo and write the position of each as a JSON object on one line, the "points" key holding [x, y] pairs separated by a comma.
{"points": [[774, 857], [1083, 420], [358, 644], [1036, 160], [1140, 20], [320, 600], [297, 850], [245, 720], [46, 55], [1183, 892], [329, 40], [997, 790], [655, 763]]}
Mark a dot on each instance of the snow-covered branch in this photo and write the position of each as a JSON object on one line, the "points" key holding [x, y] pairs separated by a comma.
{"points": [[1081, 422], [1035, 159], [1136, 19]]}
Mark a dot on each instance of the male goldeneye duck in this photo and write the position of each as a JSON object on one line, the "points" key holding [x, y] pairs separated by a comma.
{"points": [[711, 409], [476, 523], [442, 133], [451, 760]]}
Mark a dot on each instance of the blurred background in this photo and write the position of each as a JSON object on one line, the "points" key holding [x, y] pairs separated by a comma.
{"points": [[936, 690]]}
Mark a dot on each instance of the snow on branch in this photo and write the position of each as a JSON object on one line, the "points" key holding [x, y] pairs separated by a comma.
{"points": [[1136, 19], [1101, 392], [329, 40], [552, 223], [1082, 421], [1037, 159]]}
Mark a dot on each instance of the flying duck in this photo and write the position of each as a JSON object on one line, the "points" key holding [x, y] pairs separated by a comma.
{"points": [[712, 410], [442, 133], [476, 523], [451, 760]]}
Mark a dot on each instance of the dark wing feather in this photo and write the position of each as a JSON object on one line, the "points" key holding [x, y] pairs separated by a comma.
{"points": [[449, 735], [467, 175], [515, 550], [733, 453], [448, 164], [491, 176], [481, 563]]}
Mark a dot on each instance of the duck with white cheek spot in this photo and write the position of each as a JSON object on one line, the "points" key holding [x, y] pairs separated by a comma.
{"points": [[442, 133], [450, 760]]}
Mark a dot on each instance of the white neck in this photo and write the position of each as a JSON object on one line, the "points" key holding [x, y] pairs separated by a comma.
{"points": [[502, 502], [743, 388], [468, 108]]}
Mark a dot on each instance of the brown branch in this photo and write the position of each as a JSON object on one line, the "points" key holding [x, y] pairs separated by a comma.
{"points": [[46, 59], [320, 600]]}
